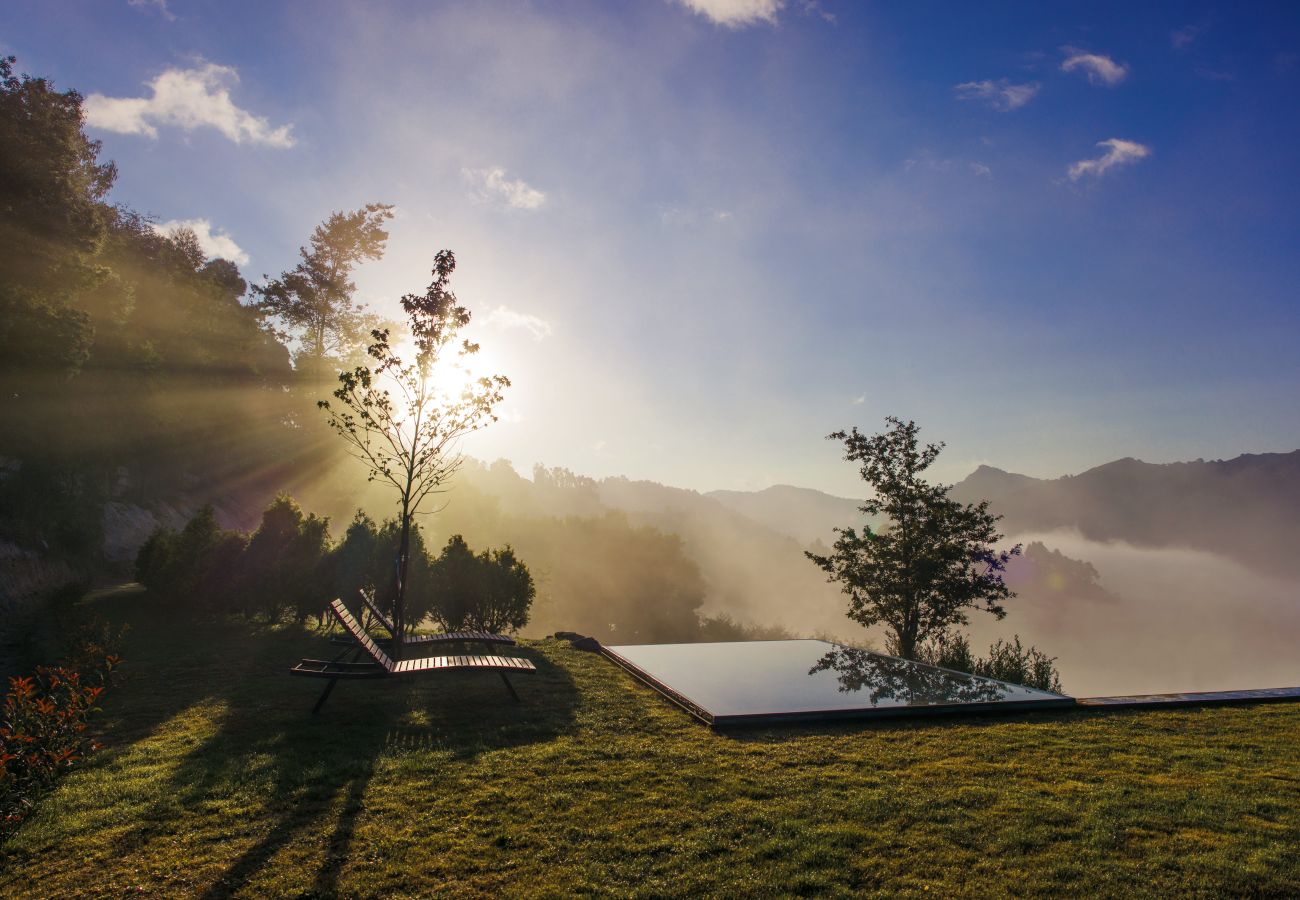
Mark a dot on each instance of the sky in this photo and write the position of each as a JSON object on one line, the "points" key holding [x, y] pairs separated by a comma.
{"points": [[698, 235]]}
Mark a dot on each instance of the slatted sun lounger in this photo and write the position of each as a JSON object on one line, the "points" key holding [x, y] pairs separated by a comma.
{"points": [[381, 665]]}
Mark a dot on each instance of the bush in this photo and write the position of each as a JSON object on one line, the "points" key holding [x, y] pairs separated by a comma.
{"points": [[43, 734], [284, 566], [491, 591], [1007, 661], [419, 572], [197, 566]]}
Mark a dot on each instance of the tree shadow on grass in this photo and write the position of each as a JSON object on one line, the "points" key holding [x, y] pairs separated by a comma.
{"points": [[257, 744]]}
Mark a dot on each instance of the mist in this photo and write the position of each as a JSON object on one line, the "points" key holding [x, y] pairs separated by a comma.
{"points": [[1177, 620]]}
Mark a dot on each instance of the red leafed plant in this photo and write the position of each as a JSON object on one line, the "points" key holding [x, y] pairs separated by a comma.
{"points": [[43, 734]]}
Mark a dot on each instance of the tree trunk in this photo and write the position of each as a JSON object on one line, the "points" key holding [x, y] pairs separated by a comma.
{"points": [[399, 596]]}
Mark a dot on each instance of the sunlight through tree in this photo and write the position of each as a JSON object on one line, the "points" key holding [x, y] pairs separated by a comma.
{"points": [[397, 419]]}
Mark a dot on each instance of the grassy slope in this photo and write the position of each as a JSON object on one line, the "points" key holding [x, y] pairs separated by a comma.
{"points": [[216, 780]]}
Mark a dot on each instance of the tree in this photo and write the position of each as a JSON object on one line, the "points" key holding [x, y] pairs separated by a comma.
{"points": [[491, 591], [314, 299], [52, 223], [933, 561], [400, 424]]}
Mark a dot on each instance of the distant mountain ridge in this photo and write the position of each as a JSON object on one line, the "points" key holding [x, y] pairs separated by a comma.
{"points": [[805, 514], [1246, 508]]}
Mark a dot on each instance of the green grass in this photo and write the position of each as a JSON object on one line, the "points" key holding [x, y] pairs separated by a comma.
{"points": [[217, 781]]}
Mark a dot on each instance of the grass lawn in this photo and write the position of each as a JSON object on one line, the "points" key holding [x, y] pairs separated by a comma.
{"points": [[217, 781]]}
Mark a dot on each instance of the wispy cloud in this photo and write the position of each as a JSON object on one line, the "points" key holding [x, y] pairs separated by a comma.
{"points": [[159, 5], [1185, 36], [213, 243], [1099, 69], [1118, 153], [491, 184], [859, 400], [503, 317], [1000, 94], [686, 217], [187, 99], [925, 161], [736, 13]]}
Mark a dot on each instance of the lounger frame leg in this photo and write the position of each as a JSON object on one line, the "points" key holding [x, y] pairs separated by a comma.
{"points": [[329, 686], [506, 681]]}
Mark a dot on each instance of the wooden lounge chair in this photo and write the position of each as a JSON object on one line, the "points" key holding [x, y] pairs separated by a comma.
{"points": [[486, 638], [381, 665]]}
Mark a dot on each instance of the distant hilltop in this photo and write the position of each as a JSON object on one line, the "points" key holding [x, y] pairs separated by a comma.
{"points": [[1246, 508]]}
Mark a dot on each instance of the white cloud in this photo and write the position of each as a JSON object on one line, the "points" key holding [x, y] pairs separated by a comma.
{"points": [[1000, 94], [981, 170], [860, 399], [218, 244], [735, 13], [1099, 69], [188, 99], [504, 317], [1118, 153], [492, 184]]}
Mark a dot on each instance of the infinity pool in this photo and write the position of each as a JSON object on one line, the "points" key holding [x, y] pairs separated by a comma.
{"points": [[756, 681]]}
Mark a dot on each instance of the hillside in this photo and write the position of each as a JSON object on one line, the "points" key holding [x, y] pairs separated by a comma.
{"points": [[1244, 508], [804, 514], [216, 781]]}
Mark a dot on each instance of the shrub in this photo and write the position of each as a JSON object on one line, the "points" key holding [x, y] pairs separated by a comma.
{"points": [[1010, 661], [419, 573], [284, 565], [351, 563], [43, 734], [491, 591], [1007, 661], [197, 566]]}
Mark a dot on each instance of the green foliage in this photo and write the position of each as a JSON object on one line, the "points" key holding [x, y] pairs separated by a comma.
{"points": [[933, 561], [351, 563], [419, 575], [284, 567], [491, 591], [195, 570], [53, 222], [53, 507], [314, 300], [1007, 660], [43, 734]]}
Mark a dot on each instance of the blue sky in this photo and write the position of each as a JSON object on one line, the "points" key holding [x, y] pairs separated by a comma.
{"points": [[700, 234]]}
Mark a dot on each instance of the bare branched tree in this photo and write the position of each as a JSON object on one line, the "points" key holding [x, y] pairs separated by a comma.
{"points": [[402, 424]]}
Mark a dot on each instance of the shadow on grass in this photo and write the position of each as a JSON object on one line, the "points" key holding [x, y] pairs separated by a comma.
{"points": [[254, 738]]}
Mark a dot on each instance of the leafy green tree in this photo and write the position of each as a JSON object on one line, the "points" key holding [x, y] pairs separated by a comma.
{"points": [[314, 300], [284, 568], [401, 424], [52, 223], [352, 566], [194, 569], [934, 560], [489, 591]]}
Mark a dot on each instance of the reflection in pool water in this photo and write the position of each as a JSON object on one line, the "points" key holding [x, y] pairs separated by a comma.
{"points": [[891, 678], [742, 681]]}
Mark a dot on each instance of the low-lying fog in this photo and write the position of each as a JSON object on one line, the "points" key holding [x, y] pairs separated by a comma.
{"points": [[1181, 621]]}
